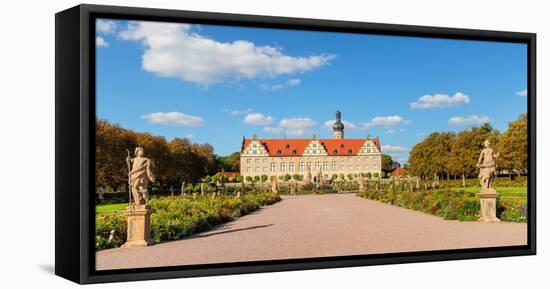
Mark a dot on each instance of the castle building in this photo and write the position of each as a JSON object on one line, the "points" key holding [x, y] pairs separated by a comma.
{"points": [[311, 157]]}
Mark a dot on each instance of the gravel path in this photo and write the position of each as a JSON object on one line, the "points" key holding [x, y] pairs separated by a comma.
{"points": [[316, 226]]}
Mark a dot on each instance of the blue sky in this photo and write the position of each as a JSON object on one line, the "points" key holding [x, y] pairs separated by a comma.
{"points": [[217, 84]]}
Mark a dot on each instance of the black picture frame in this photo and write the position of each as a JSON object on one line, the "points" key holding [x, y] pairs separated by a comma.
{"points": [[75, 134]]}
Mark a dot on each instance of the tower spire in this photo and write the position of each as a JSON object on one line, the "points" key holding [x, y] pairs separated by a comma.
{"points": [[338, 127]]}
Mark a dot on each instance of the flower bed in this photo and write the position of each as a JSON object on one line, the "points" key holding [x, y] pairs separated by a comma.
{"points": [[450, 205], [174, 218]]}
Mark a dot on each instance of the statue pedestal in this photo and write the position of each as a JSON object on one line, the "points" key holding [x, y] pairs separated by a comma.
{"points": [[139, 226], [488, 209]]}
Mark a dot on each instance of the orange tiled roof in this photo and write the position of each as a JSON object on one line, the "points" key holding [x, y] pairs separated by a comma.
{"points": [[400, 171], [288, 146]]}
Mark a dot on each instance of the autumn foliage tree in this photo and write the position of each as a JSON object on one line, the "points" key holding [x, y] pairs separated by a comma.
{"points": [[513, 146], [450, 154], [174, 162]]}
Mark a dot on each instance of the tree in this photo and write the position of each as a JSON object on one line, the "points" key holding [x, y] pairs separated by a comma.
{"points": [[513, 146], [249, 179], [256, 178], [287, 177], [387, 162], [368, 175], [334, 177], [297, 177], [431, 156], [230, 163], [263, 178]]}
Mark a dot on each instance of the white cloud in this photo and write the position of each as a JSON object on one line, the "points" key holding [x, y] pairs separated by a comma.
{"points": [[273, 130], [100, 42], [172, 50], [297, 123], [440, 100], [258, 119], [105, 26], [391, 148], [177, 118], [470, 120], [279, 86], [293, 82], [239, 112], [348, 125], [295, 126], [522, 92], [390, 131], [385, 121]]}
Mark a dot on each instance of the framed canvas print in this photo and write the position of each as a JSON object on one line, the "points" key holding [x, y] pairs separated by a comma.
{"points": [[195, 144]]}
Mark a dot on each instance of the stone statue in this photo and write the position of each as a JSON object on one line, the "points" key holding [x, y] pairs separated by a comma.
{"points": [[140, 175], [487, 167], [274, 186]]}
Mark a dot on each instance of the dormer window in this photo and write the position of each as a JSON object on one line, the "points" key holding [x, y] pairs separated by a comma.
{"points": [[293, 152], [349, 152], [287, 146], [342, 146], [335, 152], [279, 152]]}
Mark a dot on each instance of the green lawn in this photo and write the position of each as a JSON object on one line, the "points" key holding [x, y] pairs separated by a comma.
{"points": [[110, 208], [505, 192]]}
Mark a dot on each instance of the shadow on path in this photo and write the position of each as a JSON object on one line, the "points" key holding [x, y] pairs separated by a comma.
{"points": [[229, 231]]}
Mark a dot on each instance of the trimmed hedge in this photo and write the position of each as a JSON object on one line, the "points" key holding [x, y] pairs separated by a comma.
{"points": [[174, 218], [450, 205]]}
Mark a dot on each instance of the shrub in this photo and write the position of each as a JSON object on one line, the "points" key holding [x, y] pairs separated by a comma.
{"points": [[450, 205], [174, 218]]}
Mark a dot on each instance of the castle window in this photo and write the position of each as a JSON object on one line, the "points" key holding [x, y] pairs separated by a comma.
{"points": [[325, 166], [334, 166], [317, 166], [314, 145], [301, 166], [248, 161], [273, 167], [291, 167], [283, 167]]}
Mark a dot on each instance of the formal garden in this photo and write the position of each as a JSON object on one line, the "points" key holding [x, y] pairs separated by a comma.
{"points": [[176, 217]]}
